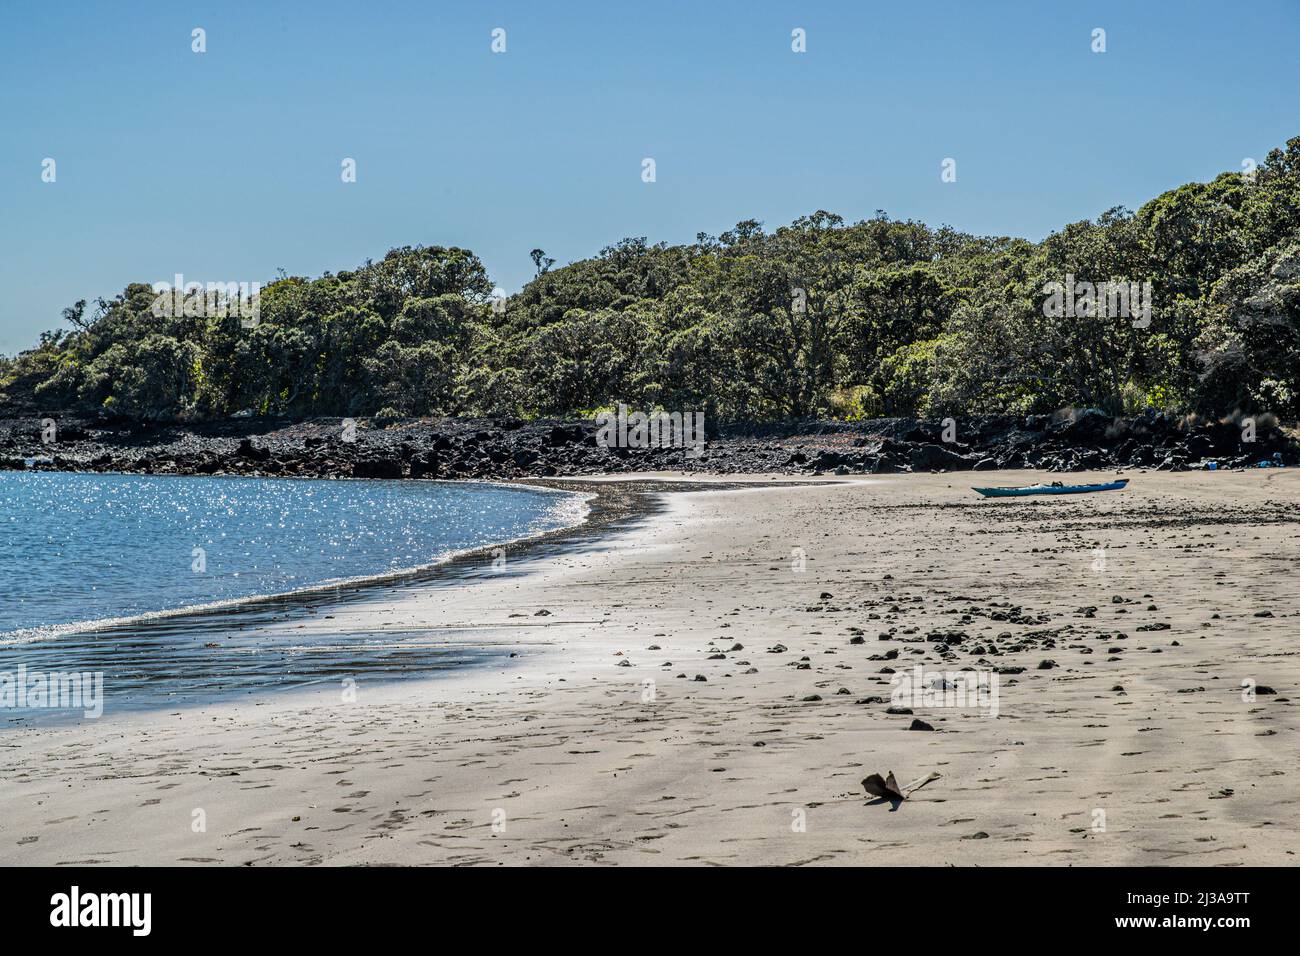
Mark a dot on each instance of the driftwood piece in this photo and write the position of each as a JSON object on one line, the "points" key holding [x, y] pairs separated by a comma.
{"points": [[888, 788]]}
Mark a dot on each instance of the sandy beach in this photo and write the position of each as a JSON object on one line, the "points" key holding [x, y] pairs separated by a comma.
{"points": [[689, 691]]}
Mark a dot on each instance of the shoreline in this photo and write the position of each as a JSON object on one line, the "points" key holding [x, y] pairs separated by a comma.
{"points": [[587, 762], [607, 508], [335, 589], [623, 509]]}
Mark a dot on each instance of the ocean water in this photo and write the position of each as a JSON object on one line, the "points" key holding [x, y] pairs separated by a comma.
{"points": [[80, 551]]}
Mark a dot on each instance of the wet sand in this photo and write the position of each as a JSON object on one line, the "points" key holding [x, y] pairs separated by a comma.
{"points": [[565, 755]]}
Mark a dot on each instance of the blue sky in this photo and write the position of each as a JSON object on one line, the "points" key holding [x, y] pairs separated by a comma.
{"points": [[225, 166]]}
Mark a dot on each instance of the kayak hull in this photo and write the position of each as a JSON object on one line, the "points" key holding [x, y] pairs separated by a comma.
{"points": [[1051, 489]]}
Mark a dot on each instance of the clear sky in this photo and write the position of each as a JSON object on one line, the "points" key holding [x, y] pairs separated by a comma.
{"points": [[225, 166]]}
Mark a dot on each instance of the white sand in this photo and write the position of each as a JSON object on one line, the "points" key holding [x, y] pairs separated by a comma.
{"points": [[563, 748]]}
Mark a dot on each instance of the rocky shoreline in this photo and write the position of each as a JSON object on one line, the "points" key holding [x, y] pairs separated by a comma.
{"points": [[511, 448]]}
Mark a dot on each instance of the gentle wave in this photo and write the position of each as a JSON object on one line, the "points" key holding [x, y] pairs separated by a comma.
{"points": [[568, 510]]}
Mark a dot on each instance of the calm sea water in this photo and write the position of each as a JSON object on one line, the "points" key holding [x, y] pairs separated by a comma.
{"points": [[77, 550]]}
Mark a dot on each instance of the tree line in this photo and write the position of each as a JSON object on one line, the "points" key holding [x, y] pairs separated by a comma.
{"points": [[818, 318]]}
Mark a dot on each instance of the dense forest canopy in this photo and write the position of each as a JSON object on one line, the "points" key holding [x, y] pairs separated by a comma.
{"points": [[817, 318]]}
